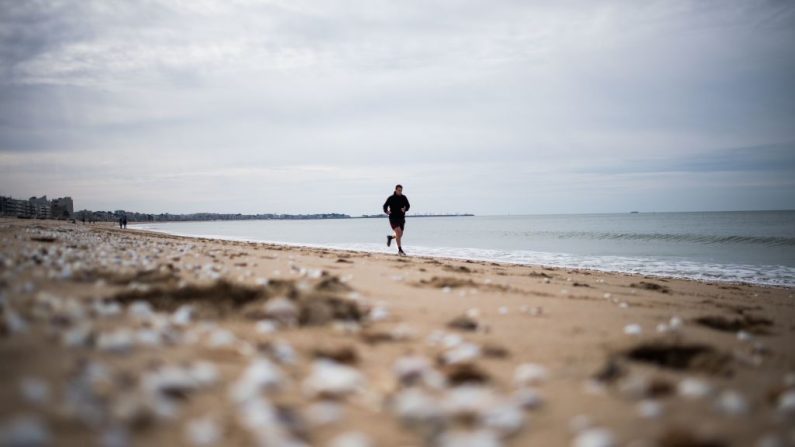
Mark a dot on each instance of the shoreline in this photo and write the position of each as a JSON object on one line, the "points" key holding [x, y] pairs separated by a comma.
{"points": [[716, 281], [164, 336]]}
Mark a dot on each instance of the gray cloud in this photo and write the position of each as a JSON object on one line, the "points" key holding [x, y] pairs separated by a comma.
{"points": [[477, 106]]}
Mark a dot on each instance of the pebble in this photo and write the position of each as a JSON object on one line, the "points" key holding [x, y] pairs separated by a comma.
{"points": [[416, 407], [379, 313], [351, 439], [595, 437], [282, 310], [14, 323], [266, 327], [221, 338], [140, 309], [529, 374], [676, 323], [528, 398], [503, 310]]}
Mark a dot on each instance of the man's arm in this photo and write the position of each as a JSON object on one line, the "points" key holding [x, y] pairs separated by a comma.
{"points": [[408, 205], [386, 204]]}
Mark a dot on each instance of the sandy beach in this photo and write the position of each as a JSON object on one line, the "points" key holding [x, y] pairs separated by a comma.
{"points": [[126, 337]]}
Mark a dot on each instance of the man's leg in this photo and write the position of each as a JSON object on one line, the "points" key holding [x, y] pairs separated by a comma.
{"points": [[398, 235]]}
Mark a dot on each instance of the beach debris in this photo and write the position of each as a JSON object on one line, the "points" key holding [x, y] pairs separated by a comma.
{"points": [[282, 310], [184, 315], [465, 373], [418, 409], [747, 323], [646, 285], [339, 354], [528, 398], [119, 341], [680, 356], [464, 352], [786, 402]]}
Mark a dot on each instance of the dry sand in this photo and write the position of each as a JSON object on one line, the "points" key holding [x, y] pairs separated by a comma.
{"points": [[112, 337]]}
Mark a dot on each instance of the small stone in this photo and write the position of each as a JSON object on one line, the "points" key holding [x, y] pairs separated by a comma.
{"points": [[140, 309], [595, 437], [221, 338], [379, 313], [261, 374], [675, 323], [416, 407], [529, 374], [283, 310], [464, 353], [503, 310], [505, 419], [266, 327]]}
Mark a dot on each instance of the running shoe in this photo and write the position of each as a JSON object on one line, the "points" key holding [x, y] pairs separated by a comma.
{"points": [[389, 240]]}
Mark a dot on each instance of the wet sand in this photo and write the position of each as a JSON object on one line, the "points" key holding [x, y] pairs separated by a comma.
{"points": [[126, 337]]}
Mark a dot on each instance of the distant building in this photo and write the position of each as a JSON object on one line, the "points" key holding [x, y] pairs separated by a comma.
{"points": [[37, 207], [62, 208]]}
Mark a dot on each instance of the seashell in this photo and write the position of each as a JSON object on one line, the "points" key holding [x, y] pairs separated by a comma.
{"points": [[649, 409], [580, 423], [505, 419], [203, 432], [351, 439], [266, 327], [261, 375], [204, 373], [676, 323], [528, 398], [468, 400], [466, 438], [786, 402], [324, 413], [119, 341], [221, 338], [529, 374], [415, 407], [463, 353], [693, 388], [140, 309], [595, 437], [379, 313], [23, 431], [332, 379], [503, 310], [633, 329], [35, 390], [731, 403], [183, 316], [282, 310]]}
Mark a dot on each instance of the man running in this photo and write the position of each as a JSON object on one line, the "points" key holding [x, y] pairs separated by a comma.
{"points": [[395, 207]]}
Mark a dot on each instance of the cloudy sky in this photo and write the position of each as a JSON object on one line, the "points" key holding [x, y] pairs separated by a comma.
{"points": [[491, 107]]}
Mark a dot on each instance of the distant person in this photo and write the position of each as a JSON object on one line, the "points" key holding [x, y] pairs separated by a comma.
{"points": [[124, 221], [121, 223], [396, 207]]}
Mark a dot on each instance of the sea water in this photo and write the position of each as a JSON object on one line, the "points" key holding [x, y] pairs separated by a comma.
{"points": [[755, 246]]}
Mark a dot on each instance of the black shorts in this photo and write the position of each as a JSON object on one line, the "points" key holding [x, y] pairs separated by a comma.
{"points": [[397, 223]]}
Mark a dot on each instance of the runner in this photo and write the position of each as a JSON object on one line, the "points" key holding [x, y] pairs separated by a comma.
{"points": [[395, 207]]}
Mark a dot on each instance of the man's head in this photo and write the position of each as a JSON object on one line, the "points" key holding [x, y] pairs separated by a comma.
{"points": [[398, 189]]}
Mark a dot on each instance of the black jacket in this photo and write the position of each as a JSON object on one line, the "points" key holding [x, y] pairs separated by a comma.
{"points": [[393, 206]]}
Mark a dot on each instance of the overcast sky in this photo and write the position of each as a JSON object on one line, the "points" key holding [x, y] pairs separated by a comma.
{"points": [[491, 107]]}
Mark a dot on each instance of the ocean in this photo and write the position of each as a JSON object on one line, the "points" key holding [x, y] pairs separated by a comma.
{"points": [[750, 246]]}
